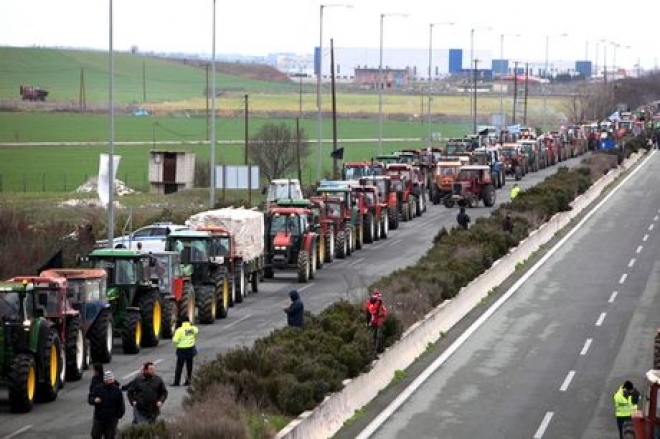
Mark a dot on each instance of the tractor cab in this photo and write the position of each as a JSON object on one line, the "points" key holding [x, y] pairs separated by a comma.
{"points": [[283, 188]]}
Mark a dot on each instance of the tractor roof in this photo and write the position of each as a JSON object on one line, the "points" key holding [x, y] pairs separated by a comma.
{"points": [[653, 376], [41, 282], [293, 202], [75, 273], [289, 211], [12, 286], [475, 167], [115, 253]]}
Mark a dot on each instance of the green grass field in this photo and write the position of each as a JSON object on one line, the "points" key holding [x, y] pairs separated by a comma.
{"points": [[174, 91]]}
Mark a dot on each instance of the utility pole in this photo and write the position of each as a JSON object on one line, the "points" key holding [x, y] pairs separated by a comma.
{"points": [[515, 92], [474, 97], [144, 81], [335, 167], [526, 93]]}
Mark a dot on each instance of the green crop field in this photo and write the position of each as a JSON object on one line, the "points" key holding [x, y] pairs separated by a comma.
{"points": [[174, 92]]}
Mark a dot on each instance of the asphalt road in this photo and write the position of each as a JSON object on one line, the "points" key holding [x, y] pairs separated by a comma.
{"points": [[70, 416], [547, 363]]}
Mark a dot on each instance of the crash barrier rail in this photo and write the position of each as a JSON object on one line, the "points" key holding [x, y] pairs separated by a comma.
{"points": [[329, 416]]}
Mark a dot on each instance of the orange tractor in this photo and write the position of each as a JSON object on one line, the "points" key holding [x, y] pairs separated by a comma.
{"points": [[446, 170]]}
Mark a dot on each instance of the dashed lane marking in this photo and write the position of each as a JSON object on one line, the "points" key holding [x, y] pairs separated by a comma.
{"points": [[639, 248], [17, 432], [125, 377], [601, 318], [645, 238], [613, 297], [586, 346], [544, 425], [631, 263], [567, 381]]}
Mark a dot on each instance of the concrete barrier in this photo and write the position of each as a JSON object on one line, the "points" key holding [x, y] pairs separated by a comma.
{"points": [[329, 416]]}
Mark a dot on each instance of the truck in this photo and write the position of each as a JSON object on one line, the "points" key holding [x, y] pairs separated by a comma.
{"points": [[238, 236]]}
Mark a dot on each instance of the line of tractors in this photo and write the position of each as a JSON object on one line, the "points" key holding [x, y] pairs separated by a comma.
{"points": [[56, 323]]}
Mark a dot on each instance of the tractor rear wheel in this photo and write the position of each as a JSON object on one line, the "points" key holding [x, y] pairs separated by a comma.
{"points": [[303, 266], [100, 337], [329, 246], [378, 223], [406, 212], [320, 251], [206, 305], [385, 225], [22, 383], [151, 310], [186, 306], [393, 218], [52, 369], [341, 244], [488, 195], [312, 263], [75, 349], [170, 314], [368, 227], [131, 334], [223, 299], [419, 206]]}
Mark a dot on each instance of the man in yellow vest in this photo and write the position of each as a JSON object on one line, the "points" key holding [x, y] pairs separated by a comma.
{"points": [[184, 341], [623, 405], [515, 190]]}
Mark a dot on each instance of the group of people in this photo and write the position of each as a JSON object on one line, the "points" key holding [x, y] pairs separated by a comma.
{"points": [[146, 393], [375, 312]]}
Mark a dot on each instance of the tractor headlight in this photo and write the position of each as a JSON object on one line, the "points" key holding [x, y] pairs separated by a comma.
{"points": [[281, 248], [26, 324]]}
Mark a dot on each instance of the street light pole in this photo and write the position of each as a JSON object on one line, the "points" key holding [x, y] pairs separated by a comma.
{"points": [[213, 93], [431, 74], [380, 81], [503, 121], [319, 109], [111, 162], [473, 110], [545, 75]]}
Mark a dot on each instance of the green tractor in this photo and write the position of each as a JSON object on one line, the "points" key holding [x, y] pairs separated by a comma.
{"points": [[32, 359], [214, 291], [137, 306]]}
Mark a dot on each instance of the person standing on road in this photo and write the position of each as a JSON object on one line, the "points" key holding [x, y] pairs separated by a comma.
{"points": [[109, 408], [623, 405], [146, 394], [463, 219], [515, 191], [295, 311], [184, 340]]}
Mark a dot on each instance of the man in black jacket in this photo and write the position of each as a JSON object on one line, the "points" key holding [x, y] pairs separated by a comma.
{"points": [[146, 393], [294, 312], [463, 219], [109, 408]]}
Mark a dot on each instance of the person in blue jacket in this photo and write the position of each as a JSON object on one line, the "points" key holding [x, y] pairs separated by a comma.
{"points": [[294, 312]]}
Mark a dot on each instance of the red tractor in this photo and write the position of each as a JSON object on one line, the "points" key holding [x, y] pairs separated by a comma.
{"points": [[552, 149], [387, 196], [514, 160], [325, 227], [374, 213], [473, 183], [403, 183], [290, 242]]}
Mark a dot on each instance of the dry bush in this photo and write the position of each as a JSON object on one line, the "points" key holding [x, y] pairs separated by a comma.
{"points": [[217, 416]]}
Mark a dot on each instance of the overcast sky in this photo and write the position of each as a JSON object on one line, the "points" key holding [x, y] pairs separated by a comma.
{"points": [[259, 27]]}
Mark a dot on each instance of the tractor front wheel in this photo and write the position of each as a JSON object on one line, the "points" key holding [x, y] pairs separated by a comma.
{"points": [[22, 383], [52, 366], [100, 337], [206, 305], [329, 246], [170, 314], [303, 267], [341, 245], [75, 349], [488, 195], [131, 334], [223, 299], [151, 310], [186, 306]]}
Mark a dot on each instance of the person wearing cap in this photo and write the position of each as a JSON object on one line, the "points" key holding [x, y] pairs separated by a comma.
{"points": [[376, 313], [624, 405], [295, 311], [109, 408], [184, 341]]}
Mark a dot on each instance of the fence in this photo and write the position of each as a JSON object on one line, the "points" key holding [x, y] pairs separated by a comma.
{"points": [[68, 182]]}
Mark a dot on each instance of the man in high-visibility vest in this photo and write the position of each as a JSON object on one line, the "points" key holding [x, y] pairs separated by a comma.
{"points": [[184, 340], [623, 405]]}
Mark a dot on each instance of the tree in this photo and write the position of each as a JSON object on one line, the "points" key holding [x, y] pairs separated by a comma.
{"points": [[274, 149]]}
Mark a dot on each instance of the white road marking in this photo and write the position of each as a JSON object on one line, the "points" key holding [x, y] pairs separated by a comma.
{"points": [[17, 432], [612, 297], [305, 287], [655, 218], [395, 241], [650, 227], [358, 260], [601, 318], [645, 238], [250, 315], [639, 248], [623, 278], [631, 263], [586, 346], [402, 397], [125, 377], [544, 425], [567, 381]]}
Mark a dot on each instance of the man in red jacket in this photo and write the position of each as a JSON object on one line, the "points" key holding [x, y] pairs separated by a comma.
{"points": [[376, 313]]}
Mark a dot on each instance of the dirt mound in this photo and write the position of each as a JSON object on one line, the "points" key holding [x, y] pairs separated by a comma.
{"points": [[253, 71]]}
